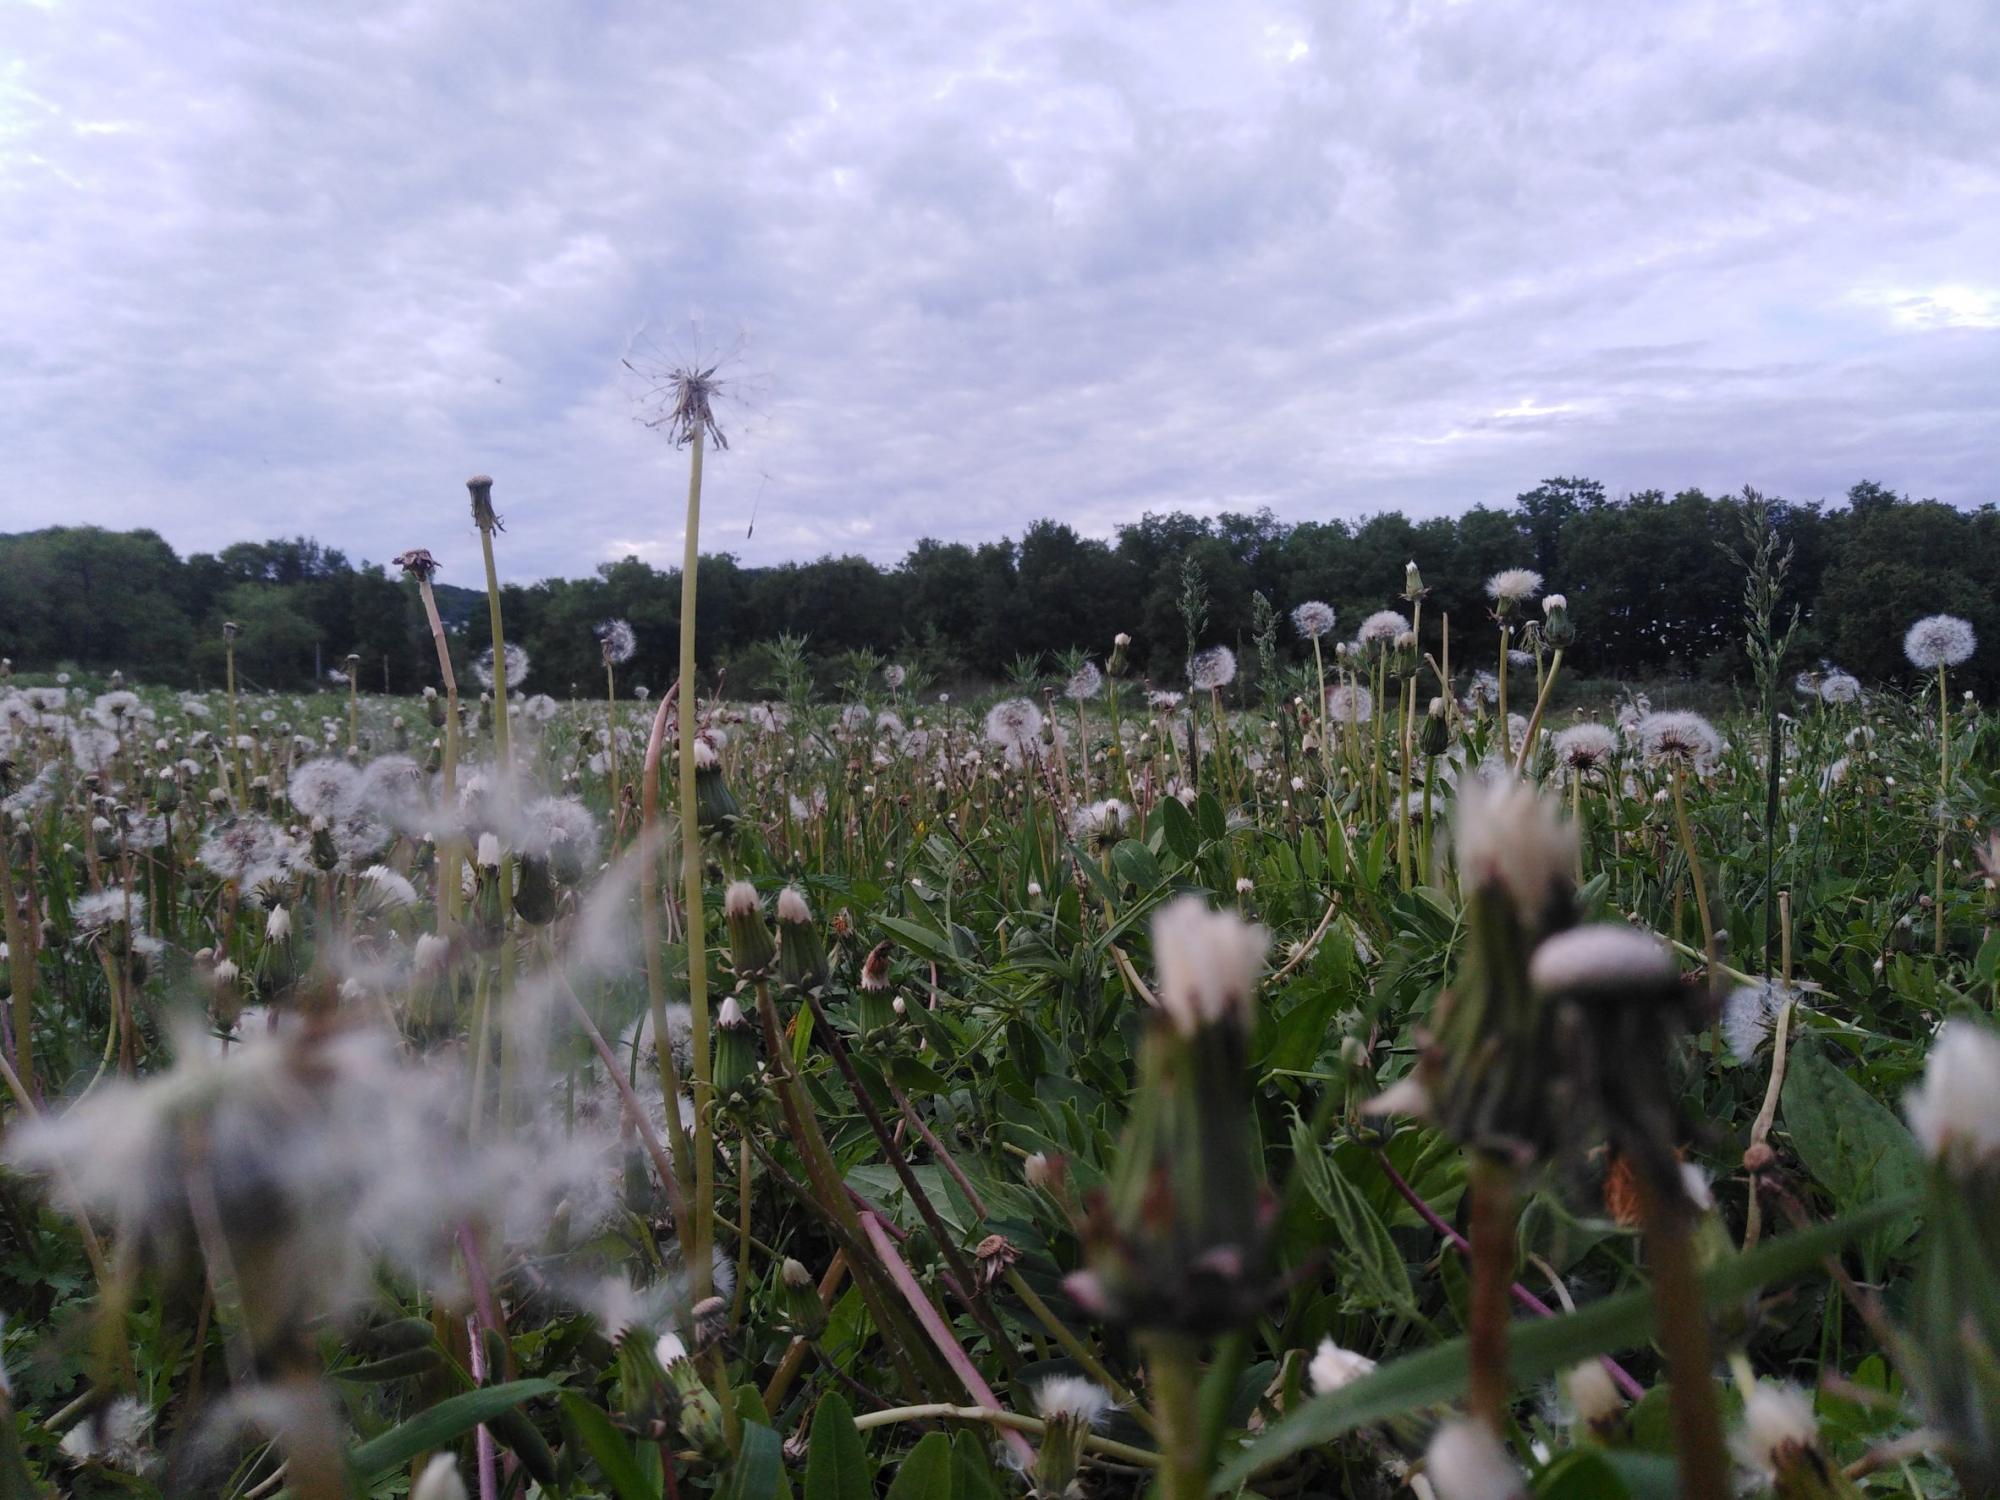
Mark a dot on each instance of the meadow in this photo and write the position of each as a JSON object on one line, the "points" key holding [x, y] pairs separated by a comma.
{"points": [[1335, 1073]]}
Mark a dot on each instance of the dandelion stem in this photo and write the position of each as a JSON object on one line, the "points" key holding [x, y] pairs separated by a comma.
{"points": [[1493, 1208], [1694, 866]]}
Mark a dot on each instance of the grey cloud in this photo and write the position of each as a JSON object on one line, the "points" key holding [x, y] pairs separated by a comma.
{"points": [[303, 268]]}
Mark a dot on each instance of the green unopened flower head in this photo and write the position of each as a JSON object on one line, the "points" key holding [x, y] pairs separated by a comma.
{"points": [[1557, 628], [1177, 1238], [804, 1312], [1434, 735], [735, 1056], [535, 894], [715, 806], [750, 947], [801, 950]]}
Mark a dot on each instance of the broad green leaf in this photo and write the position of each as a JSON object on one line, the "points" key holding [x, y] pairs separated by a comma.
{"points": [[609, 1447], [971, 1470], [837, 1466], [1183, 839], [1538, 1349], [1135, 862], [927, 1473], [1361, 1239], [436, 1426], [759, 1470], [930, 943], [1853, 1146]]}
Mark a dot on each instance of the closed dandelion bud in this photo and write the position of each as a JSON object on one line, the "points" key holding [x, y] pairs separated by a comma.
{"points": [[1177, 1239], [1413, 582], [260, 794], [434, 708], [1434, 738], [1071, 1408], [750, 946], [535, 894], [1404, 658], [166, 794], [1557, 629], [715, 807], [805, 1314], [1120, 660], [735, 1054], [695, 1412], [801, 951]]}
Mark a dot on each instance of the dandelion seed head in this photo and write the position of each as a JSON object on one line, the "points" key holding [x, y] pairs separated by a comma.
{"points": [[616, 639], [1586, 747], [1939, 641], [1085, 683], [1014, 723], [516, 663], [1381, 628], [1313, 619], [1512, 585], [1678, 737], [1072, 1398], [1208, 963], [1211, 670]]}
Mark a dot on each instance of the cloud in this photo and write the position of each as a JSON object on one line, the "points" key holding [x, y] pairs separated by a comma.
{"points": [[282, 269]]}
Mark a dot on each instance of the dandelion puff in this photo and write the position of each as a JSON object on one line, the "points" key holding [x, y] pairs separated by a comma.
{"points": [[91, 748], [1483, 689], [617, 640], [99, 911], [389, 888], [1349, 703], [516, 664], [1676, 737], [1212, 669], [1085, 682], [1777, 1421], [1164, 700], [115, 1436], [1585, 747], [1382, 628], [1101, 825], [245, 850], [1312, 619], [324, 788], [1014, 723], [439, 1480], [1508, 833], [1939, 641], [1074, 1398], [1512, 585], [1840, 688], [1748, 1015]]}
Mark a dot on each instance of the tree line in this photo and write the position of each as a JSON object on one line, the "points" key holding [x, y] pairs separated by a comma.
{"points": [[1653, 588]]}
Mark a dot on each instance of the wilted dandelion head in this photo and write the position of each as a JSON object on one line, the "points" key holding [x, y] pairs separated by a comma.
{"points": [[1382, 628], [1312, 619], [1014, 723], [1512, 585], [1084, 683], [1163, 700], [325, 788], [1678, 737], [418, 563], [1939, 641], [1586, 747], [616, 639], [1212, 669], [516, 666]]}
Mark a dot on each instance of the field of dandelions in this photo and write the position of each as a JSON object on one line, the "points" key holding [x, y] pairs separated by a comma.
{"points": [[1373, 1082]]}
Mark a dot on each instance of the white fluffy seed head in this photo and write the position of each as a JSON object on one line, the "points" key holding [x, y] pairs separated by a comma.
{"points": [[1512, 585], [1939, 641], [1313, 619], [1955, 1111], [1074, 1399], [1208, 963], [1465, 1461], [1333, 1367], [1381, 627]]}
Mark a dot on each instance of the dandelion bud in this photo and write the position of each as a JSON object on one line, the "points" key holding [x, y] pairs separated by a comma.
{"points": [[804, 1312], [715, 806], [1434, 738], [535, 895], [166, 794], [750, 946], [226, 974], [278, 925], [735, 1054], [1120, 660], [1413, 582], [231, 630], [1070, 1407], [1593, 1399], [1465, 1461], [1557, 628], [439, 1481], [1208, 963], [801, 952], [481, 489], [430, 954], [489, 850], [1333, 1367]]}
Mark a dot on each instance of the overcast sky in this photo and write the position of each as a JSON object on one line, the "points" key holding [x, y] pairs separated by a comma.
{"points": [[293, 267]]}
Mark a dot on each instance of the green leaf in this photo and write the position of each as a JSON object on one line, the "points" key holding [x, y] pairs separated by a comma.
{"points": [[924, 940], [1852, 1144], [611, 1448], [1361, 1239], [1536, 1350], [1183, 840], [436, 1426], [1135, 862], [837, 1466], [927, 1473], [972, 1470], [759, 1469]]}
